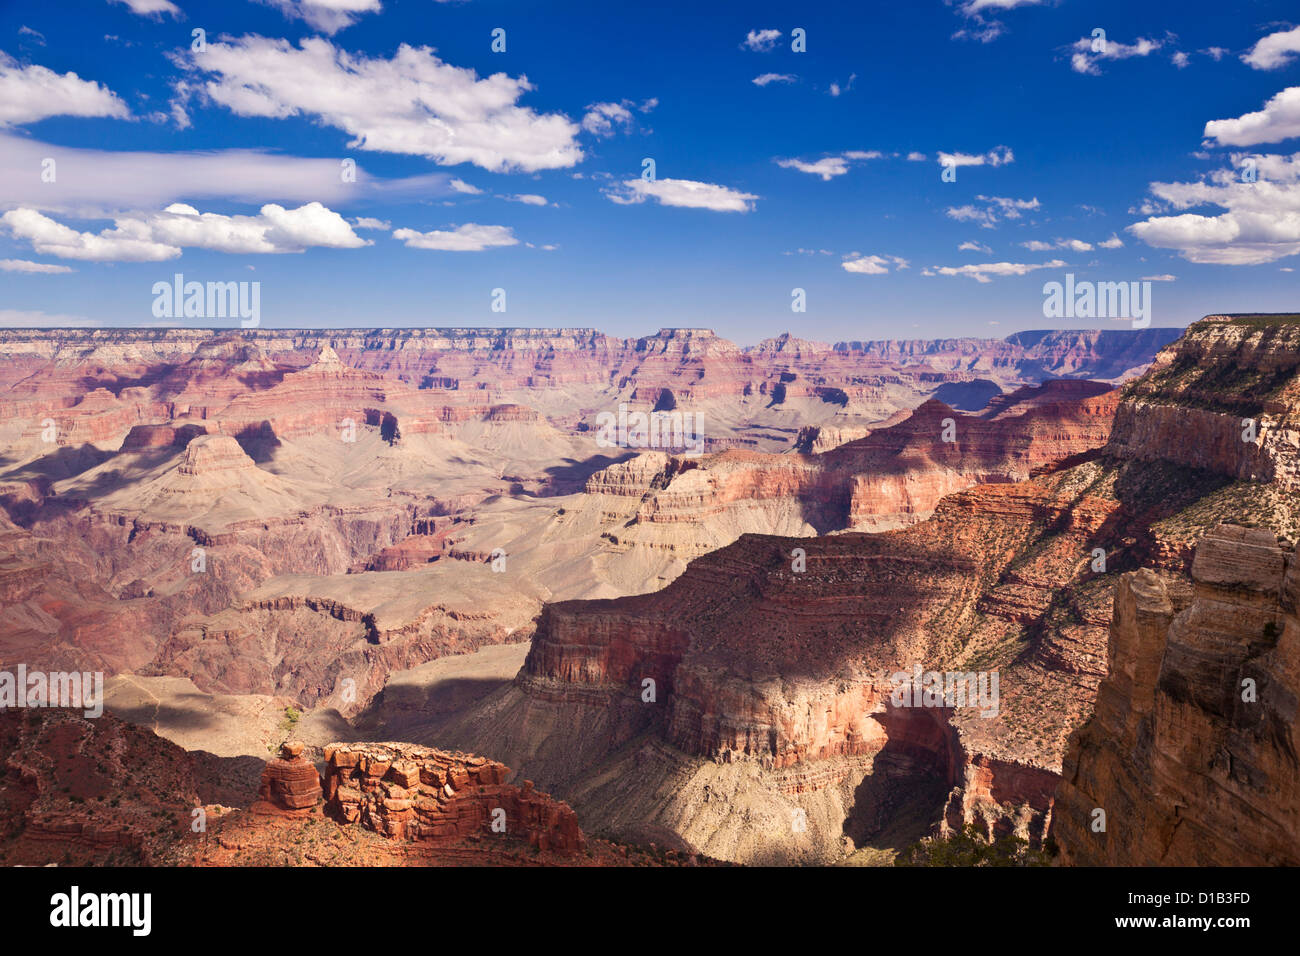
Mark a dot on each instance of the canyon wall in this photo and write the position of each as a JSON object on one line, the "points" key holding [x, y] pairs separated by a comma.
{"points": [[1191, 756]]}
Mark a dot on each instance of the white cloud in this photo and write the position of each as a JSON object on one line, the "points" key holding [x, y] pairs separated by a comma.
{"points": [[994, 210], [997, 156], [915, 157], [970, 246], [146, 8], [471, 237], [682, 192], [829, 166], [1160, 278], [159, 236], [604, 119], [836, 89], [1278, 120], [366, 222], [528, 199], [972, 7], [413, 103], [982, 30], [1036, 245], [327, 16], [32, 93], [766, 78], [1084, 60], [983, 272], [1179, 59], [1274, 51], [463, 187], [116, 180], [1259, 221], [1114, 242], [24, 265], [1216, 53], [871, 265], [761, 41]]}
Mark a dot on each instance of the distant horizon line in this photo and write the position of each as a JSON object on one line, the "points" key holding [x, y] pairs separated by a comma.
{"points": [[498, 331]]}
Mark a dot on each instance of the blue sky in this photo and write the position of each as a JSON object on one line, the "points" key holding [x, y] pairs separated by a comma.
{"points": [[826, 176]]}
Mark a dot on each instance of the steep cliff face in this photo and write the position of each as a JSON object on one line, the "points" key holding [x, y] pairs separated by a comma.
{"points": [[1191, 756], [1226, 398]]}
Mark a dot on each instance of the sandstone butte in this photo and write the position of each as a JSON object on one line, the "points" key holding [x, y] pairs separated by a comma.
{"points": [[769, 683]]}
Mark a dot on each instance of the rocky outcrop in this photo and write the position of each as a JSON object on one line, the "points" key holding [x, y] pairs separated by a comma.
{"points": [[1191, 756], [290, 783], [410, 792]]}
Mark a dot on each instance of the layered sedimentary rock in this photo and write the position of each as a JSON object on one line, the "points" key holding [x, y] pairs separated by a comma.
{"points": [[290, 782], [1191, 757], [103, 791], [759, 681], [893, 476], [410, 792]]}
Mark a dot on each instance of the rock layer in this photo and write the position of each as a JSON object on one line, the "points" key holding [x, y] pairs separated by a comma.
{"points": [[1191, 757], [410, 792]]}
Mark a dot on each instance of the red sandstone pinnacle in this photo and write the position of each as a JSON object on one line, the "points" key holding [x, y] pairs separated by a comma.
{"points": [[409, 792], [290, 783]]}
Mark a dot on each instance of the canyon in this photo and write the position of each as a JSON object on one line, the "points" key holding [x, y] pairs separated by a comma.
{"points": [[414, 535]]}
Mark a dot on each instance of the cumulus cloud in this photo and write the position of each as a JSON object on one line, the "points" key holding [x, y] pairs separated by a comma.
{"points": [[1278, 120], [765, 78], [871, 265], [1114, 242], [327, 16], [1259, 222], [829, 167], [915, 157], [604, 119], [985, 272], [159, 236], [1084, 59], [414, 103], [32, 93], [528, 199], [682, 192], [971, 246], [24, 265], [367, 222], [997, 156], [1273, 51], [977, 12], [463, 187], [471, 237], [761, 41], [994, 210], [151, 8]]}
